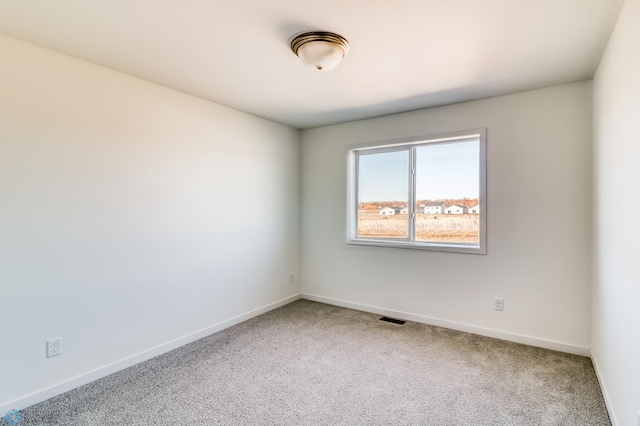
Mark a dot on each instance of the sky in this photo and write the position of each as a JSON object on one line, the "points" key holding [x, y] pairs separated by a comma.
{"points": [[447, 170]]}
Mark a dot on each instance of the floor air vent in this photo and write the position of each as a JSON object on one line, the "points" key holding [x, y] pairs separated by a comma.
{"points": [[393, 320]]}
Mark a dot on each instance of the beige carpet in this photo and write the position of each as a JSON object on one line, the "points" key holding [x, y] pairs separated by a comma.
{"points": [[313, 364]]}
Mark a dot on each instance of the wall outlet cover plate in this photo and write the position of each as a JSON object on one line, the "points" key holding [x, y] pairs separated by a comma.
{"points": [[54, 347]]}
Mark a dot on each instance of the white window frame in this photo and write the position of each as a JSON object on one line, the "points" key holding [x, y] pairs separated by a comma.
{"points": [[410, 144]]}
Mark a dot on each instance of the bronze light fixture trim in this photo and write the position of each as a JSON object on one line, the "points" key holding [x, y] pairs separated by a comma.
{"points": [[321, 50]]}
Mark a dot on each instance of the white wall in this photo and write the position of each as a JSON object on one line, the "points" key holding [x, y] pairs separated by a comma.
{"points": [[131, 215], [616, 292], [539, 223]]}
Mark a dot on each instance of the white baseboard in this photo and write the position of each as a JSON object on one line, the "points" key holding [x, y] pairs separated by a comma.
{"points": [[83, 379], [605, 394], [511, 337]]}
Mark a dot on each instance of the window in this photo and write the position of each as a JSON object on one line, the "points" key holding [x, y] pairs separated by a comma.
{"points": [[444, 173]]}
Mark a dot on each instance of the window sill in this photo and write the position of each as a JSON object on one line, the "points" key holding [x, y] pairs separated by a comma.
{"points": [[469, 248]]}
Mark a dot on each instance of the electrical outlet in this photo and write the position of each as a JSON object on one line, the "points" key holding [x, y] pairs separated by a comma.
{"points": [[292, 278], [54, 347], [498, 304]]}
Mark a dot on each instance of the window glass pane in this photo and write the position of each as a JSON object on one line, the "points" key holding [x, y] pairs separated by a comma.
{"points": [[448, 192], [383, 190]]}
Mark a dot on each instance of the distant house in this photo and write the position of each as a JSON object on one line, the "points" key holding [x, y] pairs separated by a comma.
{"points": [[404, 210], [456, 209], [389, 211], [474, 209], [435, 207]]}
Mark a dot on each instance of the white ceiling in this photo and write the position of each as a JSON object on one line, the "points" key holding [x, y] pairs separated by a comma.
{"points": [[405, 54]]}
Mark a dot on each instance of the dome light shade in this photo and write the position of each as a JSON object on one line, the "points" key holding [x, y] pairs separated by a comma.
{"points": [[320, 49]]}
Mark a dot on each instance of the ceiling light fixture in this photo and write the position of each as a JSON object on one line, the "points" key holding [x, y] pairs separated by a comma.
{"points": [[321, 50]]}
